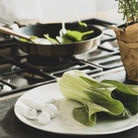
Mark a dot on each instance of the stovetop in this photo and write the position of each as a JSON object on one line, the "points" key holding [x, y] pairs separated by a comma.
{"points": [[20, 71]]}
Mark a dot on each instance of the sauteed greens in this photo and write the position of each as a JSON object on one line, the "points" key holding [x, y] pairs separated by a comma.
{"points": [[66, 36], [109, 98]]}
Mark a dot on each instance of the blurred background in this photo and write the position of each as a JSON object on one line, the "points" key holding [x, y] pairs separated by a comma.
{"points": [[57, 10]]}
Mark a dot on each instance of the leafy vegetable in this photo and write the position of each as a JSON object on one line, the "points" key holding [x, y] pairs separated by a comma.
{"points": [[94, 97], [66, 36], [24, 40], [34, 37], [62, 30], [37, 40], [63, 40], [52, 40], [82, 24], [127, 94], [29, 41], [76, 35]]}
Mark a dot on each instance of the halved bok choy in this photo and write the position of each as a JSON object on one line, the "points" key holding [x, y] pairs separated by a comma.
{"points": [[94, 97]]}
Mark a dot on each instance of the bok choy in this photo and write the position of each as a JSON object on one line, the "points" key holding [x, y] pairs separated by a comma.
{"points": [[96, 97]]}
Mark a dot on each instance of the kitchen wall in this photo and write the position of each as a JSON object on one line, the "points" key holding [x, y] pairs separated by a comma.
{"points": [[53, 10], [104, 5], [72, 9]]}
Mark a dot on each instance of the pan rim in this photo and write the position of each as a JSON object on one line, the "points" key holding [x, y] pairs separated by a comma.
{"points": [[83, 41]]}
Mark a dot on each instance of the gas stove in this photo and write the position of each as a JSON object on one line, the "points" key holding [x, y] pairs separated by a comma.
{"points": [[20, 71]]}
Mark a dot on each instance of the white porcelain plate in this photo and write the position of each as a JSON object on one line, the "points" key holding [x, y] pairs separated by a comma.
{"points": [[64, 122]]}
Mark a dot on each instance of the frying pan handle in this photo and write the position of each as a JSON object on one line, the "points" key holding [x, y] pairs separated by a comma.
{"points": [[12, 32], [5, 22], [9, 24]]}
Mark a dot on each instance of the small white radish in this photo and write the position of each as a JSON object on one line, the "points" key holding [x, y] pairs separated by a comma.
{"points": [[35, 104], [43, 118], [51, 109], [38, 105], [26, 111], [51, 101], [30, 113]]}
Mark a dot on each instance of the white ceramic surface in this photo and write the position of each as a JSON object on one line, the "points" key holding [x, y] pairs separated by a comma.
{"points": [[64, 122]]}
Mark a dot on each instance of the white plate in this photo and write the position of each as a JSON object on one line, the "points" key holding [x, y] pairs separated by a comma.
{"points": [[64, 122]]}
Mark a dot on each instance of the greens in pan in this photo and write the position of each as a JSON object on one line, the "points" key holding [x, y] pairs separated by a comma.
{"points": [[65, 36], [108, 96]]}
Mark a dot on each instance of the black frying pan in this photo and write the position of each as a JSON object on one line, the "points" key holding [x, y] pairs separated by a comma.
{"points": [[63, 50]]}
